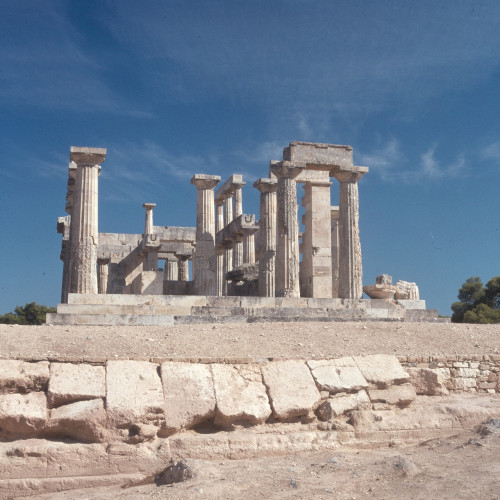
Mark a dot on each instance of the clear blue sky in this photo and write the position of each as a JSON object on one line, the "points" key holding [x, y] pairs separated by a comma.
{"points": [[173, 88]]}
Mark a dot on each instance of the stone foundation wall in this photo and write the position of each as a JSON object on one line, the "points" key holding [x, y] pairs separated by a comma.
{"points": [[437, 375]]}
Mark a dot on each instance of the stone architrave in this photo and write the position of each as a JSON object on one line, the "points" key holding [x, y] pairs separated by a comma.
{"points": [[102, 275], [350, 264], [287, 254], [316, 269], [334, 218], [204, 255], [84, 224], [267, 240]]}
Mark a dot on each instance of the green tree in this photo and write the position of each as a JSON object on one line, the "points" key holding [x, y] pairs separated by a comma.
{"points": [[478, 303], [30, 314]]}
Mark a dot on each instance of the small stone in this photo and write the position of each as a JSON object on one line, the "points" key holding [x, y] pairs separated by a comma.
{"points": [[176, 472]]}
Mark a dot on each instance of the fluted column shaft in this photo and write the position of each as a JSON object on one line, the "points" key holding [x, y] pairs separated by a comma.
{"points": [[204, 255], [249, 246], [334, 219], [350, 264], [227, 264], [84, 223], [287, 254], [102, 275], [171, 269], [148, 223], [238, 251], [183, 267], [219, 251]]}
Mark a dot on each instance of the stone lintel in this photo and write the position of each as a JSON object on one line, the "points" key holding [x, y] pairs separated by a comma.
{"points": [[319, 155], [87, 156], [176, 234], [236, 229], [103, 260], [266, 185], [334, 212], [204, 181], [287, 169], [173, 248], [234, 182], [352, 174]]}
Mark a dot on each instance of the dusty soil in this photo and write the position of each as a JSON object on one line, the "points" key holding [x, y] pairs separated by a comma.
{"points": [[255, 341], [464, 466]]}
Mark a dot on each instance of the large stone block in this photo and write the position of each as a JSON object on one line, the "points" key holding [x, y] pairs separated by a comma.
{"points": [[429, 382], [338, 375], [21, 376], [291, 388], [134, 393], [70, 382], [399, 395], [381, 370], [83, 420], [189, 394], [240, 394], [22, 415], [334, 407], [317, 154]]}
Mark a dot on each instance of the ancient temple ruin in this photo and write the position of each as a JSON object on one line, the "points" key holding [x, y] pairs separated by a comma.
{"points": [[232, 266]]}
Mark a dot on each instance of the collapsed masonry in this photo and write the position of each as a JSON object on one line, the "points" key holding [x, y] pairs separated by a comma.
{"points": [[232, 255]]}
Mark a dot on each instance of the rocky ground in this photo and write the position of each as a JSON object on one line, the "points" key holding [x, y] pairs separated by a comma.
{"points": [[257, 341], [465, 465]]}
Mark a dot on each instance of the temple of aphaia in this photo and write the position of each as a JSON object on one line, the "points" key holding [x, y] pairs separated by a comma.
{"points": [[243, 267]]}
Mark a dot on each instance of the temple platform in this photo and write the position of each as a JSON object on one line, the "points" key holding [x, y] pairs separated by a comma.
{"points": [[126, 309]]}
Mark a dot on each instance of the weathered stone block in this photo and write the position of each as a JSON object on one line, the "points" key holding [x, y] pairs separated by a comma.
{"points": [[240, 394], [291, 388], [381, 370], [406, 291], [338, 375], [70, 382], [428, 382], [189, 394], [20, 376], [337, 406], [83, 420], [22, 415], [134, 393], [399, 395]]}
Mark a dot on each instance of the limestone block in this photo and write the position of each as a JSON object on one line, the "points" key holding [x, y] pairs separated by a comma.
{"points": [[319, 154], [463, 384], [240, 394], [381, 370], [83, 420], [412, 304], [399, 395], [189, 394], [407, 291], [20, 376], [430, 382], [22, 415], [338, 375], [383, 279], [337, 406], [134, 393], [69, 383], [291, 388]]}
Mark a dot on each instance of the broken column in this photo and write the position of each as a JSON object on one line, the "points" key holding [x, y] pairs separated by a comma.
{"points": [[84, 223], [334, 218], [148, 224], [171, 269], [350, 265], [267, 239], [204, 255], [102, 275], [316, 269], [183, 266], [287, 255]]}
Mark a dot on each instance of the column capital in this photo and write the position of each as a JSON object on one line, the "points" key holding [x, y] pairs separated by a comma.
{"points": [[149, 206], [266, 185], [287, 169], [349, 174], [203, 181], [87, 156]]}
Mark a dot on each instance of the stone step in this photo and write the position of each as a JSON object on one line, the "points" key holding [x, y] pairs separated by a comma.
{"points": [[123, 309], [109, 319], [129, 299]]}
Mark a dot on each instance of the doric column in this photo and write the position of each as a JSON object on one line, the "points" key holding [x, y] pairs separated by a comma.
{"points": [[316, 268], [171, 268], [102, 275], [237, 250], [249, 245], [227, 261], [350, 265], [228, 208], [84, 223], [334, 217], [148, 224], [238, 257], [63, 227], [204, 255], [267, 227], [182, 266], [287, 254], [219, 251]]}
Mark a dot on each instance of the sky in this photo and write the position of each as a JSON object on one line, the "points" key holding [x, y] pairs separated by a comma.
{"points": [[174, 88]]}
